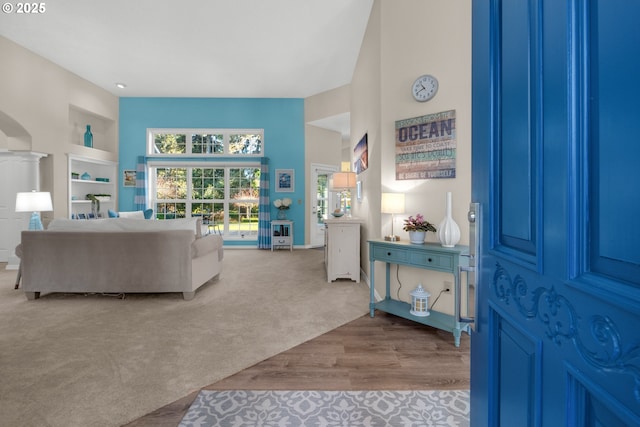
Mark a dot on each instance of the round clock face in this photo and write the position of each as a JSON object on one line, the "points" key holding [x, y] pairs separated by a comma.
{"points": [[424, 88]]}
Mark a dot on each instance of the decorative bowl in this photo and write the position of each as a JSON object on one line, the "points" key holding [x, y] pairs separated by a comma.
{"points": [[337, 214]]}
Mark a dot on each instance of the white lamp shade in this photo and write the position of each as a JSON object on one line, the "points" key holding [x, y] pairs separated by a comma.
{"points": [[34, 201], [341, 181], [392, 203]]}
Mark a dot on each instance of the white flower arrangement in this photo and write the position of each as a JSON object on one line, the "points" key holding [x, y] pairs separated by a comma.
{"points": [[282, 204]]}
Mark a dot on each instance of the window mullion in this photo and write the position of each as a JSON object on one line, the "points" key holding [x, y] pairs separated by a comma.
{"points": [[225, 202], [189, 191]]}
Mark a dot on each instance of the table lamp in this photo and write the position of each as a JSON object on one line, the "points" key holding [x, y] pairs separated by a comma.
{"points": [[392, 203], [36, 202], [341, 182]]}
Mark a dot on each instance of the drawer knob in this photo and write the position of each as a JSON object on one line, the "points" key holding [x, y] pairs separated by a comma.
{"points": [[429, 259], [388, 253]]}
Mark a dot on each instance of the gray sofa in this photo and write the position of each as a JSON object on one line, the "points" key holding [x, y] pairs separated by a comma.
{"points": [[119, 256]]}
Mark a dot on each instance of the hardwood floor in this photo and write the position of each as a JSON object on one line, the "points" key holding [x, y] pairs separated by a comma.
{"points": [[381, 353]]}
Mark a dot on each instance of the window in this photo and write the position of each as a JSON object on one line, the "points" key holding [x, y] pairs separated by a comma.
{"points": [[195, 172], [226, 197], [206, 142]]}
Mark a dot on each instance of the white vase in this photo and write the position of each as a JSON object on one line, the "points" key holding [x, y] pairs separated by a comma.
{"points": [[417, 237], [448, 230]]}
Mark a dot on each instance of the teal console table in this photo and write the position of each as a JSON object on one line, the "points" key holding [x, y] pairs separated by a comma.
{"points": [[429, 256]]}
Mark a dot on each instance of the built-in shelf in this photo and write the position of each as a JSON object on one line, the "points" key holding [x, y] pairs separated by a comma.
{"points": [[104, 130], [79, 188], [99, 160], [89, 181]]}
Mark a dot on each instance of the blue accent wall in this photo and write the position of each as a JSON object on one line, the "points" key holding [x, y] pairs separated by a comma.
{"points": [[281, 119]]}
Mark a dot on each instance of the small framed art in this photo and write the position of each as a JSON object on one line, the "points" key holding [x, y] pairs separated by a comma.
{"points": [[285, 180], [129, 178]]}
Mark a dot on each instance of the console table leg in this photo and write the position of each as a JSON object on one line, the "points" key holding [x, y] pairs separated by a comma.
{"points": [[372, 288], [456, 336]]}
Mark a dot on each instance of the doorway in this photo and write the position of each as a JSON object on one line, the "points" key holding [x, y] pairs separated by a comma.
{"points": [[322, 201]]}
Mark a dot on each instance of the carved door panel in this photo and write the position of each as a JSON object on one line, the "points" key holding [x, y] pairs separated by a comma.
{"points": [[556, 170]]}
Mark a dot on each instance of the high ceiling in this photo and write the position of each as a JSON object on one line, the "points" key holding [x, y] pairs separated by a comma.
{"points": [[199, 48]]}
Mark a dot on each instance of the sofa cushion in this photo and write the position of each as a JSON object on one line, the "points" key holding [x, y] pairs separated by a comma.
{"points": [[131, 214], [145, 214], [193, 224], [102, 224], [126, 224]]}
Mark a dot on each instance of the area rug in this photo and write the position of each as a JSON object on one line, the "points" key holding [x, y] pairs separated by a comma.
{"points": [[243, 408]]}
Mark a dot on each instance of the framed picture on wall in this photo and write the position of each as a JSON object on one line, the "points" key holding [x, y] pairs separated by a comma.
{"points": [[129, 178], [361, 155], [285, 180]]}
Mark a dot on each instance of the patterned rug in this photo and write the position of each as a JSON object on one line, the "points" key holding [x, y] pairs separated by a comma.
{"points": [[242, 408]]}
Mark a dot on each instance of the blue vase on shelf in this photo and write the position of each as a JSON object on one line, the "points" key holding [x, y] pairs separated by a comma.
{"points": [[88, 137]]}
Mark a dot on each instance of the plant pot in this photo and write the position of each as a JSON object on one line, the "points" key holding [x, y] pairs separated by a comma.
{"points": [[417, 237], [282, 214]]}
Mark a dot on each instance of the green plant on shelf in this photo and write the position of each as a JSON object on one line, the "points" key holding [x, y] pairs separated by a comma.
{"points": [[95, 201]]}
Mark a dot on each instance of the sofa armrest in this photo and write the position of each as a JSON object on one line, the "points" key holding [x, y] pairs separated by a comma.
{"points": [[207, 244]]}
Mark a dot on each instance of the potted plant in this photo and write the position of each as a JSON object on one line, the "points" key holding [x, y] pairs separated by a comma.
{"points": [[282, 205], [417, 228], [95, 204]]}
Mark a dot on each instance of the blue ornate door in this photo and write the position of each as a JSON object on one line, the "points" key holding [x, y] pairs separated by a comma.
{"points": [[556, 171]]}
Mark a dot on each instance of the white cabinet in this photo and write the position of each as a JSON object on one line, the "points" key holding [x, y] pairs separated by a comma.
{"points": [[342, 249], [91, 176], [282, 234]]}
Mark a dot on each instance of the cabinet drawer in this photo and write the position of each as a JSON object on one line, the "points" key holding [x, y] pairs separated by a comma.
{"points": [[391, 255], [442, 262], [281, 240]]}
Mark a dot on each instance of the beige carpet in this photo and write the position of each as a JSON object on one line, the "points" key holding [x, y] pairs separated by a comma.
{"points": [[94, 360]]}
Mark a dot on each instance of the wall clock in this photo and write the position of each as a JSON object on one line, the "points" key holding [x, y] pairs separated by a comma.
{"points": [[424, 88]]}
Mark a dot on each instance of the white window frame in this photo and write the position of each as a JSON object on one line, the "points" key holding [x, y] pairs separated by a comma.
{"points": [[226, 133], [189, 201]]}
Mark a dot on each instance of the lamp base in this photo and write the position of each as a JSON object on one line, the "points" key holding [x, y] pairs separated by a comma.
{"points": [[391, 238], [35, 223]]}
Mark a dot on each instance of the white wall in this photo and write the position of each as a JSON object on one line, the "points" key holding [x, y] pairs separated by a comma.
{"points": [[366, 113], [37, 95], [405, 39], [322, 146], [35, 118]]}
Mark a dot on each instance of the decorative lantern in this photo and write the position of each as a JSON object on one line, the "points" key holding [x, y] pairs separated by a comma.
{"points": [[419, 302]]}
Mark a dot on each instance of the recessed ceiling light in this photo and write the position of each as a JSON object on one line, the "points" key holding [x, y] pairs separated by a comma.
{"points": [[121, 85]]}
